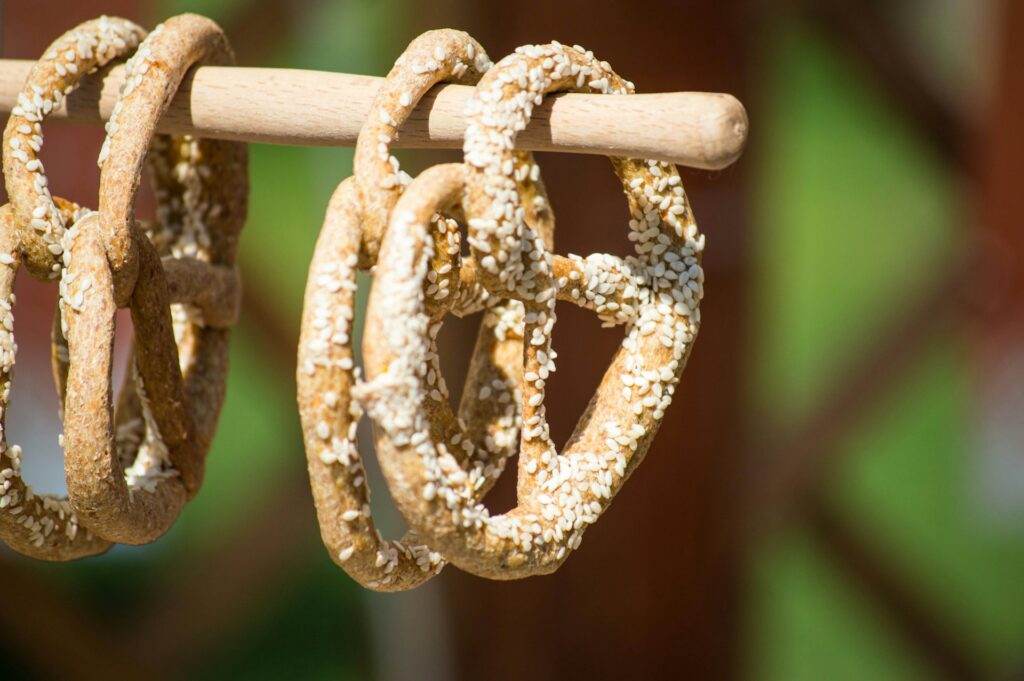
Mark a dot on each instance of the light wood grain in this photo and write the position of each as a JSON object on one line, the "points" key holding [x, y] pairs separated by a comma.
{"points": [[318, 108]]}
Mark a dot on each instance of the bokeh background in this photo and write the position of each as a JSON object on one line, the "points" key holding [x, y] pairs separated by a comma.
{"points": [[838, 490]]}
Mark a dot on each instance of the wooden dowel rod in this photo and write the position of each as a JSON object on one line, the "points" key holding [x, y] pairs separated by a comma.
{"points": [[318, 108]]}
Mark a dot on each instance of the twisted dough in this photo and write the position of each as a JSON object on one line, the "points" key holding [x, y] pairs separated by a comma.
{"points": [[121, 485], [38, 222], [654, 293], [32, 228], [179, 385], [484, 435]]}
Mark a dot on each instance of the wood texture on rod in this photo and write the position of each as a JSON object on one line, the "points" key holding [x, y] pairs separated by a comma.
{"points": [[319, 108]]}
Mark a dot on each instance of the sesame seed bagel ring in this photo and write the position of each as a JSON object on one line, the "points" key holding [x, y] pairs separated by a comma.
{"points": [[484, 436], [180, 351], [654, 293]]}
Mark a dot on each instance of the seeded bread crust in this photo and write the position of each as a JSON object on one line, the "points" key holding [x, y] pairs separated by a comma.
{"points": [[128, 476], [654, 293], [130, 472], [179, 385], [38, 525], [485, 430], [38, 221], [32, 228]]}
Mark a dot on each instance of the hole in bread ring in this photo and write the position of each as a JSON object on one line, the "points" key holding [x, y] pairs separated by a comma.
{"points": [[654, 293]]}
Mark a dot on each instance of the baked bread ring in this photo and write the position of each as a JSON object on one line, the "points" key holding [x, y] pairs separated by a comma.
{"points": [[180, 359], [199, 219], [485, 434], [32, 228], [37, 525], [654, 293]]}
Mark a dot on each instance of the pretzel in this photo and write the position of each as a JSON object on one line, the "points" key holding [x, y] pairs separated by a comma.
{"points": [[33, 231], [180, 359], [326, 375], [32, 228], [654, 293]]}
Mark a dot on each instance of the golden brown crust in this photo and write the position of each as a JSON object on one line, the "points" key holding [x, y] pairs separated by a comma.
{"points": [[179, 386], [326, 374], [38, 525], [97, 487], [152, 76], [33, 227], [441, 56], [39, 223], [654, 293], [129, 472], [132, 466], [327, 379]]}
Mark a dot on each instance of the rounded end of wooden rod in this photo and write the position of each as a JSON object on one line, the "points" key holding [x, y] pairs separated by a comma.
{"points": [[723, 130]]}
